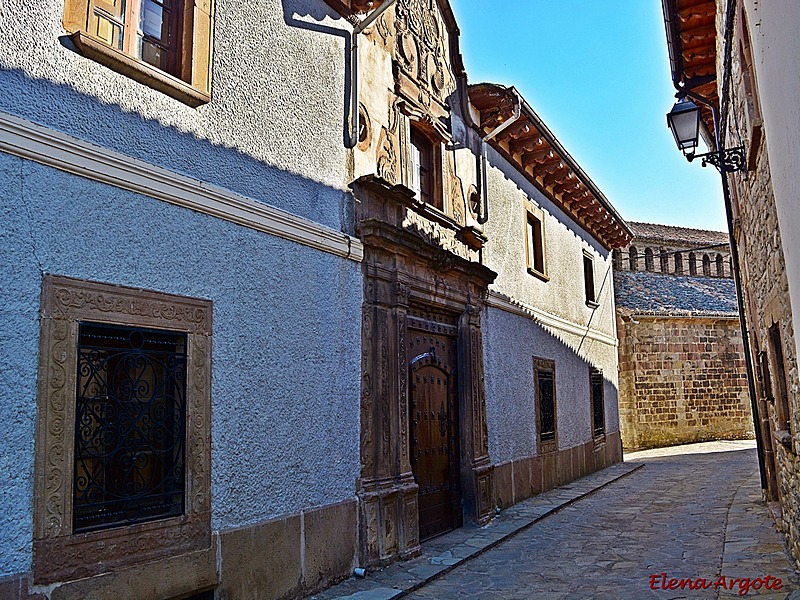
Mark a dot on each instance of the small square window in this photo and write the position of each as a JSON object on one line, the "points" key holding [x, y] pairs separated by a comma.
{"points": [[598, 408], [544, 375], [534, 242], [165, 44], [588, 280]]}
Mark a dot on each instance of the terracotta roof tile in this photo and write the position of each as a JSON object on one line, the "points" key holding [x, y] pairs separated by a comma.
{"points": [[674, 295], [668, 233]]}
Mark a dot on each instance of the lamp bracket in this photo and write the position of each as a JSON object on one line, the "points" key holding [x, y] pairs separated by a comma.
{"points": [[726, 161]]}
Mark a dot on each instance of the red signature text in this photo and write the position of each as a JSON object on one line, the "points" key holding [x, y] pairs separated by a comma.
{"points": [[745, 585]]}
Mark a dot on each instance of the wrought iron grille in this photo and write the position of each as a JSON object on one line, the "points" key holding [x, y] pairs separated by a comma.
{"points": [[598, 415], [547, 406], [130, 420]]}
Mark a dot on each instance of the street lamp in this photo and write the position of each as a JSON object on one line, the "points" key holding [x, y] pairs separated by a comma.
{"points": [[684, 121]]}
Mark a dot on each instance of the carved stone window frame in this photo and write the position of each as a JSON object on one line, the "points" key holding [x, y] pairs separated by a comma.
{"points": [[58, 553], [433, 131]]}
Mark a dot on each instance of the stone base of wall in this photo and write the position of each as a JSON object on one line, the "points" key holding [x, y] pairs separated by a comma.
{"points": [[790, 500], [518, 480], [287, 557], [290, 556]]}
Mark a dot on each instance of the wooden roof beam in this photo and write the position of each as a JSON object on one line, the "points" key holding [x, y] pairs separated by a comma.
{"points": [[550, 170], [529, 143], [697, 34], [701, 11], [538, 156], [555, 173], [567, 186]]}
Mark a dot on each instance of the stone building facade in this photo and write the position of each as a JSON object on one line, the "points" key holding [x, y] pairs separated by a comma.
{"points": [[682, 375], [282, 297], [744, 62]]}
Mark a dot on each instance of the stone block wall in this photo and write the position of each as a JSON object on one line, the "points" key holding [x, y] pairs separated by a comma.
{"points": [[682, 380], [763, 265]]}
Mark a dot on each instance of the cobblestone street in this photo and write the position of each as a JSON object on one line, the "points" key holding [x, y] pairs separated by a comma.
{"points": [[691, 512]]}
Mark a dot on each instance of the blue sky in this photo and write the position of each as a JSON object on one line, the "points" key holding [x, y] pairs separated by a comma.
{"points": [[597, 72]]}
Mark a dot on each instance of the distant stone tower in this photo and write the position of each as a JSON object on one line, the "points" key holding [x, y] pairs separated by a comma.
{"points": [[682, 375]]}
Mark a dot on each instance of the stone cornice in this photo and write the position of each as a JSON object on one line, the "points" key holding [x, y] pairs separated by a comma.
{"points": [[73, 155], [533, 150]]}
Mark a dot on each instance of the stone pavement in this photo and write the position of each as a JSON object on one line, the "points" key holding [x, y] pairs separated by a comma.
{"points": [[693, 512]]}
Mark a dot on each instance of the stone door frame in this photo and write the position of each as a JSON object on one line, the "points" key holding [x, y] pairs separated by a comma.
{"points": [[402, 268]]}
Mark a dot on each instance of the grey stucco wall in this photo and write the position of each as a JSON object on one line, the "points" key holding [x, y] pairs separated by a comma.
{"points": [[510, 343], [563, 294], [285, 385], [511, 340], [274, 127]]}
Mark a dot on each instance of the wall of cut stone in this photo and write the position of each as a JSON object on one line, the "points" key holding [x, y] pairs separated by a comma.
{"points": [[681, 380], [761, 221]]}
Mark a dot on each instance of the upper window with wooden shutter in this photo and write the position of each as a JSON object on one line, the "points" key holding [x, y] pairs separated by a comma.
{"points": [[165, 44], [534, 241], [752, 106], [425, 167]]}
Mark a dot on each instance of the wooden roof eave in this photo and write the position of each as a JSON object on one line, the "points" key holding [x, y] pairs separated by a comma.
{"points": [[685, 76], [349, 8], [549, 166]]}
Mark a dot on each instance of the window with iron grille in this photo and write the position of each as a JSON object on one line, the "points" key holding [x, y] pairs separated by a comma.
{"points": [[123, 433], [598, 409], [130, 416], [545, 390]]}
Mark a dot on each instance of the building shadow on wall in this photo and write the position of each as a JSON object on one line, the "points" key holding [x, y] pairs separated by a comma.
{"points": [[147, 139], [316, 12]]}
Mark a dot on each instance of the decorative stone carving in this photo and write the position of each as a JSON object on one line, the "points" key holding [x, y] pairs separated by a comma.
{"points": [[423, 74], [435, 234], [456, 194], [413, 280], [388, 165]]}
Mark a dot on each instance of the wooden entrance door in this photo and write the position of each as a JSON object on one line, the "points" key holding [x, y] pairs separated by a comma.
{"points": [[434, 431]]}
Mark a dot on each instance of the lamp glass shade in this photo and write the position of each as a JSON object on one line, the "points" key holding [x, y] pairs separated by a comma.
{"points": [[684, 121]]}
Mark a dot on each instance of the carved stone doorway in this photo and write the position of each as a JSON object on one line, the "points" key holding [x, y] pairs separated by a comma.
{"points": [[421, 281], [433, 412]]}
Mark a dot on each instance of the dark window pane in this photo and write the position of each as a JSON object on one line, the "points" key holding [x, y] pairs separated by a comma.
{"points": [[535, 244], [588, 279], [153, 54], [547, 407], [598, 415], [130, 418]]}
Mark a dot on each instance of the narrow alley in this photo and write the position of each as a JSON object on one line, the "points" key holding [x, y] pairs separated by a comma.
{"points": [[690, 513]]}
